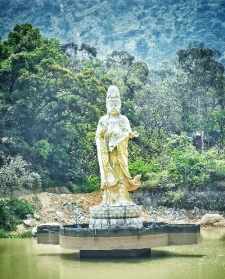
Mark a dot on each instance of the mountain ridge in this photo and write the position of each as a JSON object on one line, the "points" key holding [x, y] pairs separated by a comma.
{"points": [[152, 30]]}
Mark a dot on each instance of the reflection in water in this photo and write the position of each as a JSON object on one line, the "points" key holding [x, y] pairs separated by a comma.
{"points": [[159, 254], [24, 259], [213, 233]]}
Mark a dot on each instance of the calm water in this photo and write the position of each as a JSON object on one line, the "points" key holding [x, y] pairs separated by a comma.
{"points": [[24, 259]]}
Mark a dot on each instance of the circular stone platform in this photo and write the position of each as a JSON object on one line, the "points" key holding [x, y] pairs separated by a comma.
{"points": [[119, 242]]}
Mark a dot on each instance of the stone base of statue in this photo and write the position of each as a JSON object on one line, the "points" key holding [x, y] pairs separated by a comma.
{"points": [[115, 216], [119, 242]]}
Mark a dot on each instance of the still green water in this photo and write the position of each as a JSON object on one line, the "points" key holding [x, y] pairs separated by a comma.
{"points": [[24, 259]]}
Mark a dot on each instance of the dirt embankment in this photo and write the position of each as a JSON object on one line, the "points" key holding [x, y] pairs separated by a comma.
{"points": [[74, 208], [62, 208]]}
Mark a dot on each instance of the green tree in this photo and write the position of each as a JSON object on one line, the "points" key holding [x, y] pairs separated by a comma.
{"points": [[201, 86], [48, 110]]}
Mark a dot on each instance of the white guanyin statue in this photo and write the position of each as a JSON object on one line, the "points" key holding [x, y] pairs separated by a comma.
{"points": [[112, 136], [116, 210]]}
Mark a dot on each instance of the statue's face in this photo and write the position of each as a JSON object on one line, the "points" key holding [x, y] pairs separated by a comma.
{"points": [[113, 106]]}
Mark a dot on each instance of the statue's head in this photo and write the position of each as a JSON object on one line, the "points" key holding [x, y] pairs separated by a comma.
{"points": [[113, 102]]}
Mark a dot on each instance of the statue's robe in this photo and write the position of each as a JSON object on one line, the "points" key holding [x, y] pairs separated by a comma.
{"points": [[112, 138]]}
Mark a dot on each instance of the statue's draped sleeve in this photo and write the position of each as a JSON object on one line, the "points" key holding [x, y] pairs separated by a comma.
{"points": [[108, 178], [131, 184]]}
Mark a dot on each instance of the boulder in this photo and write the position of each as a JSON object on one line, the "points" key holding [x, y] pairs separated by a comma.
{"points": [[213, 220], [29, 216], [29, 222]]}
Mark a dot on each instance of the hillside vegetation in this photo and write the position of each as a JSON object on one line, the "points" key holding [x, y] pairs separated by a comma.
{"points": [[52, 95], [149, 29]]}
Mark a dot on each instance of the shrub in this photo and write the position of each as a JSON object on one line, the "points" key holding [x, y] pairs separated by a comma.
{"points": [[157, 180], [144, 168], [3, 233], [153, 181], [15, 175], [174, 199], [187, 167], [182, 166], [216, 164], [43, 148], [12, 212], [25, 234], [93, 183], [20, 208]]}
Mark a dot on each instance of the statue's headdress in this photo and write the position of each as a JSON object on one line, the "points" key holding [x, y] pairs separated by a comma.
{"points": [[113, 96], [113, 92]]}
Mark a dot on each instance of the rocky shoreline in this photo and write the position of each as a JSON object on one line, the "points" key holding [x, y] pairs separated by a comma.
{"points": [[74, 208]]}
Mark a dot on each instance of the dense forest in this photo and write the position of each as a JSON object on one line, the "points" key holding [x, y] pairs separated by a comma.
{"points": [[52, 95]]}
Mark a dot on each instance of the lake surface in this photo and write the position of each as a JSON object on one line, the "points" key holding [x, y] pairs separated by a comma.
{"points": [[24, 259]]}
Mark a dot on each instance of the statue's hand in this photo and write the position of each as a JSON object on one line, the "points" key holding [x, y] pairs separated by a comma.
{"points": [[134, 134]]}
